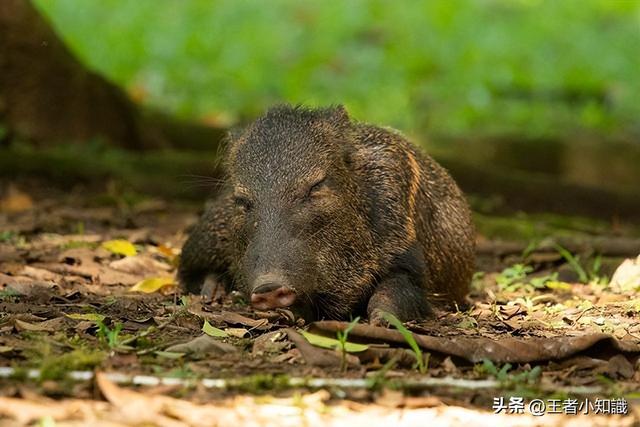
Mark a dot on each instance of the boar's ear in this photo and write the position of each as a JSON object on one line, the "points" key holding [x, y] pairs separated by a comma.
{"points": [[338, 114], [233, 141], [235, 133]]}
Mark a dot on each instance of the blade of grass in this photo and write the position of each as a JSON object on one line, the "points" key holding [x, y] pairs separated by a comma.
{"points": [[573, 262], [408, 337]]}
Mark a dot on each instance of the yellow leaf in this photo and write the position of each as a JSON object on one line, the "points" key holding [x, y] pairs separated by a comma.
{"points": [[212, 331], [562, 286], [152, 284], [120, 247]]}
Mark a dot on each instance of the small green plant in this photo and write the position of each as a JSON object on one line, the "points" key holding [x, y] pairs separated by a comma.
{"points": [[511, 278], [532, 246], [182, 371], [509, 379], [594, 272], [7, 236], [585, 276], [487, 367], [80, 228], [422, 362], [477, 281], [109, 336], [541, 281], [342, 339], [378, 380], [8, 293], [515, 278], [184, 301], [573, 262], [13, 238]]}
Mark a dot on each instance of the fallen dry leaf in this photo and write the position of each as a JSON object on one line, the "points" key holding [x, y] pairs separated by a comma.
{"points": [[238, 319], [271, 342], [40, 274], [237, 332], [202, 346], [50, 325], [139, 265], [15, 200], [26, 286], [512, 309], [627, 275]]}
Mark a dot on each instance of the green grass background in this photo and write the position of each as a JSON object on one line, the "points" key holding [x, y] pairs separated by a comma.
{"points": [[438, 68]]}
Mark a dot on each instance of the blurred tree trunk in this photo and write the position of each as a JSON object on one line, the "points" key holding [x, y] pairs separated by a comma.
{"points": [[47, 96]]}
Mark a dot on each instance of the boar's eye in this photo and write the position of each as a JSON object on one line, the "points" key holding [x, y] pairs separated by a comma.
{"points": [[317, 189], [242, 202]]}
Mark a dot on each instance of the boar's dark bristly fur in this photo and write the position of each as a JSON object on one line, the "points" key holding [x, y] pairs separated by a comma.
{"points": [[334, 218]]}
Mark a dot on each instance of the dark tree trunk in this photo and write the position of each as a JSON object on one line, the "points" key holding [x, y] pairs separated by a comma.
{"points": [[47, 96]]}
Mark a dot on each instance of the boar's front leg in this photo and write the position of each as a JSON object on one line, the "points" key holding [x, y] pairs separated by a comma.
{"points": [[206, 259], [401, 290], [399, 295]]}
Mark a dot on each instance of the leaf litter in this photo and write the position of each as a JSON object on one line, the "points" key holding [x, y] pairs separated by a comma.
{"points": [[66, 302]]}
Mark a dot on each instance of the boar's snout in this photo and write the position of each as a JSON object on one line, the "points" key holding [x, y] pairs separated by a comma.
{"points": [[271, 291]]}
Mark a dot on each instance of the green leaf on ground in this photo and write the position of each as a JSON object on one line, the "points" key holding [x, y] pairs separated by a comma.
{"points": [[212, 331], [332, 343]]}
